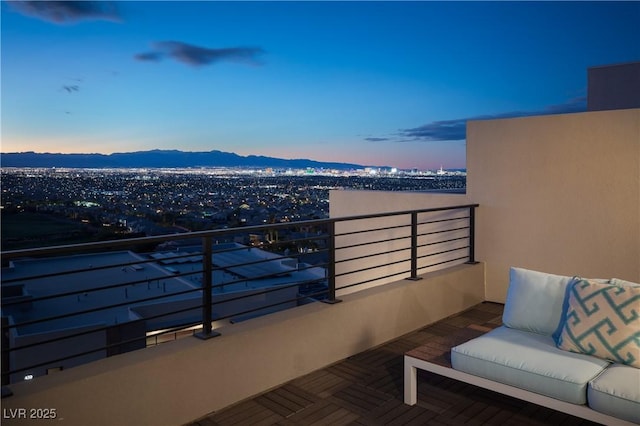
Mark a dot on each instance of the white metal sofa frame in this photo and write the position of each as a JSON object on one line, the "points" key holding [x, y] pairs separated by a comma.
{"points": [[412, 364]]}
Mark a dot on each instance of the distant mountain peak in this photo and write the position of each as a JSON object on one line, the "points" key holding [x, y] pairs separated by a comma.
{"points": [[160, 158]]}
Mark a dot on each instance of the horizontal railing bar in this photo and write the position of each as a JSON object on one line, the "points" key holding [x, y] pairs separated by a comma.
{"points": [[210, 233], [254, 278], [395, 274], [102, 308], [160, 262], [253, 262], [443, 231], [321, 237], [244, 280], [364, 231], [443, 241], [404, 212], [443, 262], [109, 287], [396, 239], [312, 266], [98, 329], [399, 273], [369, 243], [269, 290], [385, 228], [366, 256], [451, 219], [443, 252], [395, 262], [77, 271], [386, 240], [295, 299], [298, 256]]}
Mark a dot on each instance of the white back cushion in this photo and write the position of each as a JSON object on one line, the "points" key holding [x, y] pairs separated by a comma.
{"points": [[534, 301]]}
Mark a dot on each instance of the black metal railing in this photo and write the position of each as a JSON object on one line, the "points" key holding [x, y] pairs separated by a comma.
{"points": [[77, 311]]}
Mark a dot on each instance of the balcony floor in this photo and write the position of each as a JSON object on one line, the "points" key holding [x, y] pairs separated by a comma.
{"points": [[367, 389]]}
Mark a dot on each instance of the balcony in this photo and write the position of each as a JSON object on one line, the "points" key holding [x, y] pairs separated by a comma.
{"points": [[74, 308], [541, 207]]}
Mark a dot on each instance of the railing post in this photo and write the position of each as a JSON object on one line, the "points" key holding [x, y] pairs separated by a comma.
{"points": [[207, 290], [414, 248], [472, 236], [331, 265], [6, 358]]}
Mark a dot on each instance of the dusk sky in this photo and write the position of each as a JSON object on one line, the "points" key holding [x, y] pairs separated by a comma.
{"points": [[372, 83]]}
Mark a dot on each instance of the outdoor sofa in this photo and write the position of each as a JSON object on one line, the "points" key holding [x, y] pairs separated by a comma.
{"points": [[567, 343]]}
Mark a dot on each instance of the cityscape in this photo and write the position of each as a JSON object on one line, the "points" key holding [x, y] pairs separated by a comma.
{"points": [[91, 303], [53, 206]]}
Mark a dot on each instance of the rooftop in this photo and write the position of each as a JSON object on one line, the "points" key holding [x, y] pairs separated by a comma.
{"points": [[114, 287], [95, 271]]}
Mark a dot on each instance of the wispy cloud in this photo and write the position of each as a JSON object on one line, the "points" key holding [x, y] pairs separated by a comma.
{"points": [[61, 12], [376, 139], [577, 104], [456, 129], [71, 88], [199, 56], [149, 56], [446, 130]]}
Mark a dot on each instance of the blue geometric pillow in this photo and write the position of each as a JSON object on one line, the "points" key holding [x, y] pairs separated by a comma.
{"points": [[603, 320]]}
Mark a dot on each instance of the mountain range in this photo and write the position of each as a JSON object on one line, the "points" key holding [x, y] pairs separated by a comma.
{"points": [[159, 159]]}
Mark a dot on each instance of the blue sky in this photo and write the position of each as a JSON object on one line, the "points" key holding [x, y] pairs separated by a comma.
{"points": [[373, 83]]}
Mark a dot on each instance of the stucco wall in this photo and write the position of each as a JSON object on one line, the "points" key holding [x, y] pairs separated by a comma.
{"points": [[354, 202], [180, 381], [557, 193]]}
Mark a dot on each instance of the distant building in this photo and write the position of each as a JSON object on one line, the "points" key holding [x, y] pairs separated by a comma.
{"points": [[614, 87]]}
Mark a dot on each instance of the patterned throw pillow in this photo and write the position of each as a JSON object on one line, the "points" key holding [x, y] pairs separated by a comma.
{"points": [[603, 320]]}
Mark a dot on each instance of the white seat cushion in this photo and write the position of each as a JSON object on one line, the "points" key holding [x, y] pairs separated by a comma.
{"points": [[528, 361], [617, 392]]}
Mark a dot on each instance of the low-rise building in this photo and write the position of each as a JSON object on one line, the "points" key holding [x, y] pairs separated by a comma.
{"points": [[70, 310]]}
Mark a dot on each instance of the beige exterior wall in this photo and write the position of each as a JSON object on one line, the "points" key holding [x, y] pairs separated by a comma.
{"points": [[353, 202], [557, 193], [181, 381]]}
